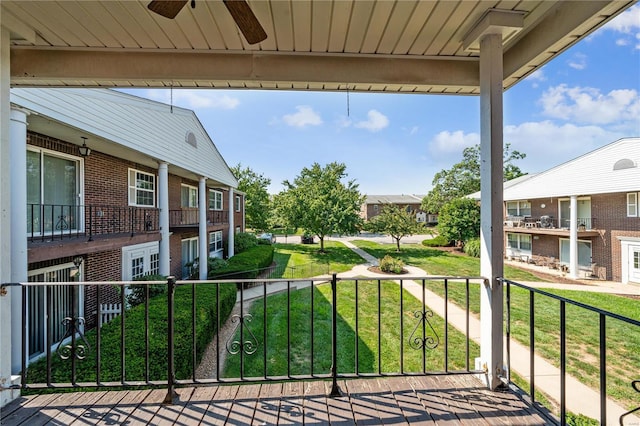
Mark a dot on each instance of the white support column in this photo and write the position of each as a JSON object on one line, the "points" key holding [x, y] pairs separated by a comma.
{"points": [[203, 246], [573, 237], [491, 225], [5, 223], [18, 158], [232, 228], [163, 205]]}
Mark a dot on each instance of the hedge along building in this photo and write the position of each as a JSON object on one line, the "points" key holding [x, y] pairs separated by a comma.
{"points": [[456, 47], [116, 187]]}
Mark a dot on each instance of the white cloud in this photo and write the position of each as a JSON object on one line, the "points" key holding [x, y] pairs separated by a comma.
{"points": [[627, 24], [578, 62], [452, 142], [588, 105], [305, 116], [192, 99], [376, 121]]}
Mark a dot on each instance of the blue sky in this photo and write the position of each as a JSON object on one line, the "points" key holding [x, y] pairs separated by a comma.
{"points": [[394, 144]]}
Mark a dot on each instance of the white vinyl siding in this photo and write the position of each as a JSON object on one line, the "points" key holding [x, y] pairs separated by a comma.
{"points": [[188, 196], [215, 200], [632, 204], [142, 189]]}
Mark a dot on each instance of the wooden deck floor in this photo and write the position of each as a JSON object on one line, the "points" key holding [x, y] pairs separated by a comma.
{"points": [[433, 400]]}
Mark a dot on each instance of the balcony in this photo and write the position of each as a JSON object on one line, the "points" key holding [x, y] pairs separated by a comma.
{"points": [[327, 367], [51, 222], [548, 225], [190, 218]]}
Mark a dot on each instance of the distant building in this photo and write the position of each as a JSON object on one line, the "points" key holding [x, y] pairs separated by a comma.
{"points": [[412, 203]]}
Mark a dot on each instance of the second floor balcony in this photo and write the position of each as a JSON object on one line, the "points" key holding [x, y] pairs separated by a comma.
{"points": [[187, 218], [587, 226]]}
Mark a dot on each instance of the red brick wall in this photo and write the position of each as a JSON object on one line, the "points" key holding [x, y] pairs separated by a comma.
{"points": [[102, 266]]}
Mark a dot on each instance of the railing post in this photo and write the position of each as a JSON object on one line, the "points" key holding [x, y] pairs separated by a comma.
{"points": [[335, 390], [171, 393], [90, 223]]}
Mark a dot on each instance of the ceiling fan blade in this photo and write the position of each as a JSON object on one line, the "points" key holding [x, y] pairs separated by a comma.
{"points": [[167, 8], [246, 20]]}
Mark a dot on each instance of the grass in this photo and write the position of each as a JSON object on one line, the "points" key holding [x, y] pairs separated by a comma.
{"points": [[375, 348], [337, 257]]}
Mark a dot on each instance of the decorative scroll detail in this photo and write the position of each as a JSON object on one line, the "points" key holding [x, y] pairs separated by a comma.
{"points": [[250, 344], [636, 385], [82, 344], [416, 341], [62, 224]]}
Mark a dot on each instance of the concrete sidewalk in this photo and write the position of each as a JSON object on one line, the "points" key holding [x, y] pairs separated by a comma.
{"points": [[580, 399]]}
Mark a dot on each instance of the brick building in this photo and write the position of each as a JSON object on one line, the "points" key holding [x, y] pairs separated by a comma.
{"points": [[373, 204], [116, 187], [582, 216]]}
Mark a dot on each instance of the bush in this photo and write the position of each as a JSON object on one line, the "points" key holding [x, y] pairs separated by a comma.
{"points": [[246, 264], [438, 241], [138, 292], [244, 241], [390, 264], [472, 247]]}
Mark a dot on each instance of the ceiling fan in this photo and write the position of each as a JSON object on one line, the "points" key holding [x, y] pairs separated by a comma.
{"points": [[239, 10]]}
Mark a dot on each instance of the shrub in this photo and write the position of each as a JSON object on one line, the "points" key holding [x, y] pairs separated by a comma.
{"points": [[438, 241], [246, 264], [138, 292], [390, 264], [243, 241], [472, 247]]}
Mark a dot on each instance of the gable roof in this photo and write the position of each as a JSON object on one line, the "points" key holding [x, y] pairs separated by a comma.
{"points": [[394, 199], [127, 126], [597, 172]]}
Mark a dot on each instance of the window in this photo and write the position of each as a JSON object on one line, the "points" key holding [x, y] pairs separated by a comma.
{"points": [[584, 253], [215, 244], [237, 230], [518, 244], [53, 185], [189, 254], [518, 208], [238, 203], [139, 260], [375, 207], [632, 204], [188, 196], [215, 200], [142, 188]]}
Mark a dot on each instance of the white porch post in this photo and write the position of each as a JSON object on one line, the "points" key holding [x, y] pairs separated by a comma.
{"points": [[232, 230], [163, 205], [203, 247], [573, 237], [18, 156], [5, 223]]}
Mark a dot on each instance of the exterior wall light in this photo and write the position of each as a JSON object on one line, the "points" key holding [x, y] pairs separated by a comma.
{"points": [[84, 150]]}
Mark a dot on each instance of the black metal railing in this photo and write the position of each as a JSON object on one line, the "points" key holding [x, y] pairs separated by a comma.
{"points": [[289, 329], [191, 217], [56, 221], [605, 343]]}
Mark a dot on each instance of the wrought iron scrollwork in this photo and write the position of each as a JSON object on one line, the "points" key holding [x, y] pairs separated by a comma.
{"points": [[430, 339], [82, 347], [247, 342], [636, 385], [62, 224]]}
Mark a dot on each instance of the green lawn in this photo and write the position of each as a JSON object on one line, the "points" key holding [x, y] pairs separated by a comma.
{"points": [[308, 261]]}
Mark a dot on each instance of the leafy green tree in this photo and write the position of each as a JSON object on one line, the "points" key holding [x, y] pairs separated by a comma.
{"points": [[463, 178], [459, 220], [320, 203], [395, 222], [257, 205]]}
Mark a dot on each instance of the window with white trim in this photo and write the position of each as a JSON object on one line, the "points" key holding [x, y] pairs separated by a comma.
{"points": [[189, 255], [632, 204], [188, 196], [139, 260], [142, 188], [215, 200], [518, 208], [238, 203], [215, 244], [520, 243]]}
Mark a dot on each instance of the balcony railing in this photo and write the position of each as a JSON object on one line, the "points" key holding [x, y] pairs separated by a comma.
{"points": [[191, 217], [57, 221], [547, 222]]}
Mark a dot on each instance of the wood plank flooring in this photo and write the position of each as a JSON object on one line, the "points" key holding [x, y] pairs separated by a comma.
{"points": [[432, 400]]}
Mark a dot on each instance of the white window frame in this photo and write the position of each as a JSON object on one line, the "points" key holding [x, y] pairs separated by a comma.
{"points": [[519, 205], [632, 204], [216, 200], [238, 203], [567, 241], [195, 252], [192, 198], [518, 250], [216, 244], [132, 177], [147, 252]]}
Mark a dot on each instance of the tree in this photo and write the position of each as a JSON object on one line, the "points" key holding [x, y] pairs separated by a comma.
{"points": [[395, 222], [320, 203], [463, 178], [459, 220], [257, 205]]}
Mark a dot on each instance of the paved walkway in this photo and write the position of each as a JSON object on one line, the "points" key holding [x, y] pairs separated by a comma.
{"points": [[580, 399]]}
